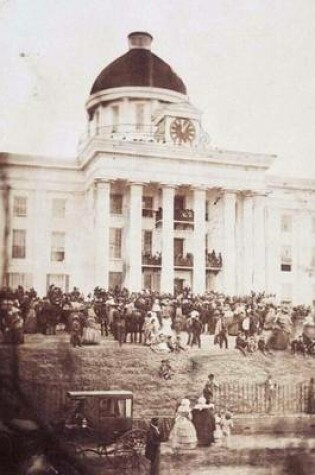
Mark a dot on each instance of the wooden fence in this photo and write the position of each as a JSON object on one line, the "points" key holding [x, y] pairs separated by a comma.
{"points": [[48, 400]]}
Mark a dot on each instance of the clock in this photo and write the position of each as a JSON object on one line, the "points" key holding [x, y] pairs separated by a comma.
{"points": [[182, 131]]}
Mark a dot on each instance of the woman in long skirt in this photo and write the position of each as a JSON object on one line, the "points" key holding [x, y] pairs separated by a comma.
{"points": [[204, 422], [183, 435]]}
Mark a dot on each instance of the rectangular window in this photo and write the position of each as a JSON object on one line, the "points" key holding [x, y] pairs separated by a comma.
{"points": [[58, 208], [139, 117], [178, 247], [179, 202], [116, 204], [14, 279], [147, 206], [286, 259], [20, 206], [115, 118], [313, 258], [313, 225], [115, 243], [57, 246], [147, 242], [286, 223], [115, 279], [19, 243]]}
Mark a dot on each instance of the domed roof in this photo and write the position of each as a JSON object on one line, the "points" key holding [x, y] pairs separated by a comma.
{"points": [[139, 67]]}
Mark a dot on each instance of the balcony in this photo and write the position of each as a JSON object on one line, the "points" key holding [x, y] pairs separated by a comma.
{"points": [[184, 262], [213, 261], [151, 261], [148, 212], [183, 218]]}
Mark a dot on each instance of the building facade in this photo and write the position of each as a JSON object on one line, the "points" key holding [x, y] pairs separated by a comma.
{"points": [[148, 203]]}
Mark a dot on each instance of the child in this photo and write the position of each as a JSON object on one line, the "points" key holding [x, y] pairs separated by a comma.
{"points": [[226, 427]]}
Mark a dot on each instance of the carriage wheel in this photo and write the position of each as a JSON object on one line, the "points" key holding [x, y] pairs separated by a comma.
{"points": [[134, 440], [92, 457], [125, 458]]}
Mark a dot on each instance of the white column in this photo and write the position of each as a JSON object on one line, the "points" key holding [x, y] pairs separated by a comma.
{"points": [[229, 252], [273, 260], [167, 276], [41, 242], [199, 272], [302, 249], [248, 243], [259, 269], [101, 256], [135, 238]]}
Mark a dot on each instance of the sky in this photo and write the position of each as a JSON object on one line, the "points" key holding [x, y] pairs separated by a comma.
{"points": [[249, 66]]}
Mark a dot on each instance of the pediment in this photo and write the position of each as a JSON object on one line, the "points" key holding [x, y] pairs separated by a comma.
{"points": [[180, 109]]}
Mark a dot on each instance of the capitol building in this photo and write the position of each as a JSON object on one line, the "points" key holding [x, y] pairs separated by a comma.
{"points": [[148, 203]]}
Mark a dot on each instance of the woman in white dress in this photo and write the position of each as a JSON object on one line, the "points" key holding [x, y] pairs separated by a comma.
{"points": [[91, 335], [183, 434]]}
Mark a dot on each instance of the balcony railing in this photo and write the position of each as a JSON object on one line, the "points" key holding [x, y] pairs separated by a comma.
{"points": [[213, 260], [137, 133], [148, 212], [149, 260], [126, 132], [184, 215], [184, 261]]}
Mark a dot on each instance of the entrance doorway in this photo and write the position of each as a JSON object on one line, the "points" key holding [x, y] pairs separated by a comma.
{"points": [[178, 285]]}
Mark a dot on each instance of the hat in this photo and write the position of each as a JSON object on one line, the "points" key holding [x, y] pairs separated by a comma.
{"points": [[154, 421]]}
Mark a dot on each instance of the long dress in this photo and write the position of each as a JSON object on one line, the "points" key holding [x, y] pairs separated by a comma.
{"points": [[167, 326], [204, 423], [91, 335], [183, 434], [218, 431]]}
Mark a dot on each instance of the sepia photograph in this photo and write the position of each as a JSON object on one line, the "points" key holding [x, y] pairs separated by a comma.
{"points": [[157, 237]]}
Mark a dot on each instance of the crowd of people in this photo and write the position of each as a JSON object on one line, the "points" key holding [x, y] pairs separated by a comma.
{"points": [[159, 321]]}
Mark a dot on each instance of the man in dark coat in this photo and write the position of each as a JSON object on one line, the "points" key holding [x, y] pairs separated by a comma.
{"points": [[152, 448]]}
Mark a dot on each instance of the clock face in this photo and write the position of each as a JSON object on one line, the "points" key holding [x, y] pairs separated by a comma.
{"points": [[182, 131]]}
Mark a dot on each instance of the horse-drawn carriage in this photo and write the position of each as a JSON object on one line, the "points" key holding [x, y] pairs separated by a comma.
{"points": [[96, 430], [100, 428]]}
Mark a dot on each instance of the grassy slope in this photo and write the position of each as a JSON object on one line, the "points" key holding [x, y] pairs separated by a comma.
{"points": [[136, 368]]}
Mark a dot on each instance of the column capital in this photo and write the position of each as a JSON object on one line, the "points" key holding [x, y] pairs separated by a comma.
{"points": [[99, 182], [204, 188], [136, 183], [168, 186]]}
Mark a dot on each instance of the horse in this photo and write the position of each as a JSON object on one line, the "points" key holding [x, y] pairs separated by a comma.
{"points": [[134, 325]]}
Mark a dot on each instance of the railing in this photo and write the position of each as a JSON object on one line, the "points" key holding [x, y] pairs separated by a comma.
{"points": [[136, 133], [126, 132], [148, 212], [213, 260], [49, 399], [184, 261], [148, 259], [186, 215]]}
